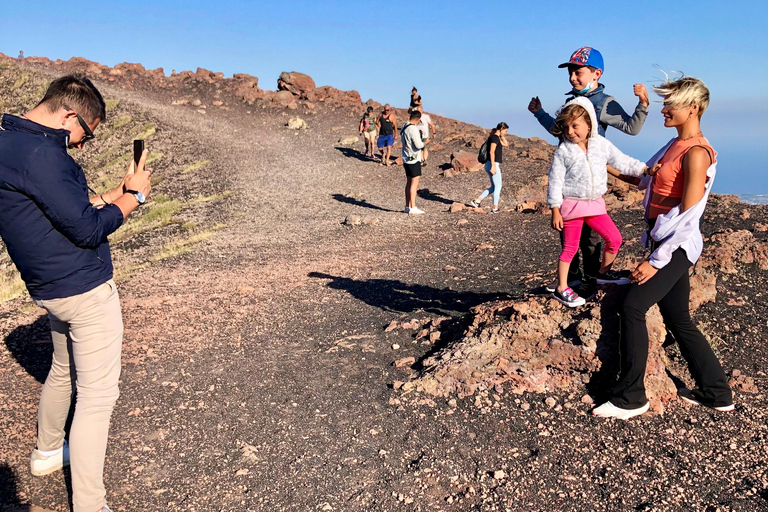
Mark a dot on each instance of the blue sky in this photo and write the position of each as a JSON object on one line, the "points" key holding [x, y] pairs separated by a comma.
{"points": [[479, 65]]}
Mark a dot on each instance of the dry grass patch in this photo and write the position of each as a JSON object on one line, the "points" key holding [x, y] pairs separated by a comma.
{"points": [[214, 197], [159, 213], [121, 121], [23, 79], [145, 132], [111, 104], [11, 285], [197, 166], [123, 272], [184, 245]]}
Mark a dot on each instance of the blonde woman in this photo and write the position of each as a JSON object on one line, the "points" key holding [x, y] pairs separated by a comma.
{"points": [[683, 172]]}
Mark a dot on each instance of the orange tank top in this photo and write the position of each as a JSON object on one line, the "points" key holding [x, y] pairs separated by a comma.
{"points": [[669, 180]]}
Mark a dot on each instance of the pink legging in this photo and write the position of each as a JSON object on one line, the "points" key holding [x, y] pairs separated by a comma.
{"points": [[600, 223]]}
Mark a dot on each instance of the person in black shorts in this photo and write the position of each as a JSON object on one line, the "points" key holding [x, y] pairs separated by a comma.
{"points": [[412, 146]]}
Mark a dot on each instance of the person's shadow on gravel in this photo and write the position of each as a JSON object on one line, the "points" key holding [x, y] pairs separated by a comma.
{"points": [[9, 494], [32, 347], [428, 195], [353, 153], [397, 296], [359, 202]]}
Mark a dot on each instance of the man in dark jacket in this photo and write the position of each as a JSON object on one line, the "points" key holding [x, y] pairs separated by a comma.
{"points": [[57, 237]]}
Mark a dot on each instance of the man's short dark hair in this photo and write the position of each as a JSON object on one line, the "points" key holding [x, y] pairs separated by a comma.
{"points": [[78, 93], [415, 114]]}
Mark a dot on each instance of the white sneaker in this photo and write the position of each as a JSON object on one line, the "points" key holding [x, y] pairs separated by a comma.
{"points": [[689, 397], [40, 465], [415, 211], [407, 210], [608, 410]]}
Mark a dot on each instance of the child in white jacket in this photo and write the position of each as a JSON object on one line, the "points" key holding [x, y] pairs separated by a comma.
{"points": [[577, 182]]}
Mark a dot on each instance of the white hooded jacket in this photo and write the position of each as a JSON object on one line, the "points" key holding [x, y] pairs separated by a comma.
{"points": [[576, 175]]}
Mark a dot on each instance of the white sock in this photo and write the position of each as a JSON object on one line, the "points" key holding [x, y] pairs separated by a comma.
{"points": [[50, 453]]}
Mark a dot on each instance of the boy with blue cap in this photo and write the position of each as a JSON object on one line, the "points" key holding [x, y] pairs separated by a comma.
{"points": [[585, 68]]}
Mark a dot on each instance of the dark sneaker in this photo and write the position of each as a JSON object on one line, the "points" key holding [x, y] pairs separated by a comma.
{"points": [[586, 289], [569, 298], [688, 396], [611, 277]]}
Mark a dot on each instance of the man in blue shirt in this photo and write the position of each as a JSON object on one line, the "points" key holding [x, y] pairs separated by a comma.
{"points": [[56, 236]]}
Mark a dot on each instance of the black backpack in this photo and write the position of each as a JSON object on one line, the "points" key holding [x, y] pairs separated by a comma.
{"points": [[482, 155]]}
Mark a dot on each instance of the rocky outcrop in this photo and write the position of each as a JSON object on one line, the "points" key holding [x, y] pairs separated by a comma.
{"points": [[536, 345], [465, 161], [296, 83], [727, 250]]}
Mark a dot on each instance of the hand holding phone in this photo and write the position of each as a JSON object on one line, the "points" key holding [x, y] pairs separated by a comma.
{"points": [[138, 149]]}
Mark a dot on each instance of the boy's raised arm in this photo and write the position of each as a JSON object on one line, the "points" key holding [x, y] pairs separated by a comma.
{"points": [[544, 119], [614, 115]]}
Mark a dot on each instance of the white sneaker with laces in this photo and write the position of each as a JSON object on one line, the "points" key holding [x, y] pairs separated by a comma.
{"points": [[40, 465], [687, 396], [608, 410], [569, 298], [474, 203], [415, 211]]}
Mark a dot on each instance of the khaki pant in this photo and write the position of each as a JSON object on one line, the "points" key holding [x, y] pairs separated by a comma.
{"points": [[87, 332]]}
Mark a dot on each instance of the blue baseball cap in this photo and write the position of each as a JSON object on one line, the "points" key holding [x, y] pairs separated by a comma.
{"points": [[585, 56]]}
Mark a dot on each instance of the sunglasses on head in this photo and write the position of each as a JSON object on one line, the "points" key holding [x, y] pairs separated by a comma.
{"points": [[87, 129]]}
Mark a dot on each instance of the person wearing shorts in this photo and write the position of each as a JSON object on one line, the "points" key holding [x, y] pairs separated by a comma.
{"points": [[412, 146], [387, 125], [367, 129]]}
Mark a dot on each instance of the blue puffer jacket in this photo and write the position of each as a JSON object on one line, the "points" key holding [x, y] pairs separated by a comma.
{"points": [[57, 240]]}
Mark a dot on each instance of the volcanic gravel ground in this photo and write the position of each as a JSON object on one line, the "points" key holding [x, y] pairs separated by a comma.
{"points": [[258, 375]]}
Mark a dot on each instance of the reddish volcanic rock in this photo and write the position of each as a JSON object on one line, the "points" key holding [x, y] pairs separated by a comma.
{"points": [[537, 345], [296, 83], [464, 161], [330, 94]]}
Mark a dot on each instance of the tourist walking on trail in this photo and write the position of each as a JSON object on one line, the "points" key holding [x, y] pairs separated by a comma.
{"points": [[578, 180], [367, 129], [683, 173], [585, 69], [57, 238], [415, 100], [424, 126], [386, 123], [412, 146], [495, 141]]}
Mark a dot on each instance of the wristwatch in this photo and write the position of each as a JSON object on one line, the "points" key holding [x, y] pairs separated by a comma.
{"points": [[138, 195]]}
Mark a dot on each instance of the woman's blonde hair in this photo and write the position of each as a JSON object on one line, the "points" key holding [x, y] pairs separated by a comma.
{"points": [[568, 112], [686, 91]]}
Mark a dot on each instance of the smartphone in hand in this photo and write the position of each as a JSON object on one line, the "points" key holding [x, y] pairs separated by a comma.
{"points": [[138, 149]]}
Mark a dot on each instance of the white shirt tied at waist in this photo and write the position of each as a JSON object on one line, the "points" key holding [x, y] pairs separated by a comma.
{"points": [[675, 230]]}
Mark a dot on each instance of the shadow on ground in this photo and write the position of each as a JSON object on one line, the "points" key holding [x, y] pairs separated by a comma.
{"points": [[32, 347], [397, 296], [353, 153], [428, 195], [9, 494], [359, 202]]}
